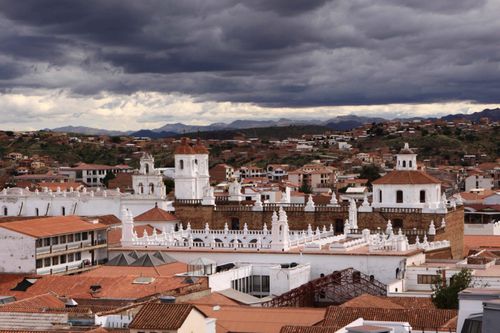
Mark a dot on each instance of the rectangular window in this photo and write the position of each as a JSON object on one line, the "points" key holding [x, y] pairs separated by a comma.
{"points": [[85, 236], [39, 263], [78, 256], [71, 257], [46, 262], [265, 283], [39, 242], [70, 238], [78, 237], [62, 239], [89, 180], [426, 278], [55, 260], [422, 196], [399, 196], [55, 240], [46, 242], [63, 259]]}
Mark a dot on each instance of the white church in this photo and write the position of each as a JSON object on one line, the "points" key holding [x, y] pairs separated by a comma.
{"points": [[408, 187], [149, 191]]}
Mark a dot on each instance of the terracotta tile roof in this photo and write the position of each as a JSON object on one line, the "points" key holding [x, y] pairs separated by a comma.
{"points": [[199, 148], [369, 301], [161, 316], [383, 302], [105, 219], [5, 219], [113, 287], [184, 148], [406, 177], [155, 214], [270, 320], [34, 304], [214, 298], [480, 242], [417, 318], [476, 195], [50, 226], [62, 186], [162, 270], [309, 329], [86, 166]]}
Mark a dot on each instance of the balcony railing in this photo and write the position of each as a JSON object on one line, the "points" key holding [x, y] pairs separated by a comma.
{"points": [[68, 246]]}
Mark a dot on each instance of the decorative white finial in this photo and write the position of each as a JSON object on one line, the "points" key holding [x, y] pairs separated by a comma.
{"points": [[432, 229]]}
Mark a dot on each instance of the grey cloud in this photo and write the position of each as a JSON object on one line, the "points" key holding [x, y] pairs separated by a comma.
{"points": [[272, 53]]}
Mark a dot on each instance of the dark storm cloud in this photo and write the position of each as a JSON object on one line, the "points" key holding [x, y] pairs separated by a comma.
{"points": [[274, 53]]}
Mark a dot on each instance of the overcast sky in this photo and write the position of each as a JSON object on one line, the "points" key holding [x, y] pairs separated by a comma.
{"points": [[140, 64]]}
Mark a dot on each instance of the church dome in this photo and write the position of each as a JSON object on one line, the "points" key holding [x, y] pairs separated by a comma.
{"points": [[184, 148], [199, 148]]}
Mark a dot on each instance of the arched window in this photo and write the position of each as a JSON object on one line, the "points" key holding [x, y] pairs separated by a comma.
{"points": [[181, 164], [422, 196], [141, 188], [410, 164], [379, 195], [404, 164], [196, 161], [151, 188], [399, 196], [147, 168], [63, 211], [5, 211]]}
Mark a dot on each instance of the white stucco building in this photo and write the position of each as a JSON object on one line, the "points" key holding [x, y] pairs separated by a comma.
{"points": [[54, 245], [148, 192]]}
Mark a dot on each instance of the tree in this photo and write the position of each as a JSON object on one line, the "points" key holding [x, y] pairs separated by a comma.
{"points": [[108, 177], [169, 184], [304, 188], [446, 296], [370, 172]]}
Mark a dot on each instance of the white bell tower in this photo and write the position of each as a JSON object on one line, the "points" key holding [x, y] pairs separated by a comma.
{"points": [[149, 181], [280, 231], [191, 171], [201, 164], [406, 159]]}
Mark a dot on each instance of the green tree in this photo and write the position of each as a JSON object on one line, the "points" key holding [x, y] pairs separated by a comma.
{"points": [[370, 172], [304, 188], [446, 296], [169, 184], [108, 177]]}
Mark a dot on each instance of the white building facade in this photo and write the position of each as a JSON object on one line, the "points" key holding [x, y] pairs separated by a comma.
{"points": [[23, 202]]}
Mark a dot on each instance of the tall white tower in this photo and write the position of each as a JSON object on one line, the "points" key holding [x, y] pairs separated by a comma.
{"points": [[191, 170], [201, 163], [406, 159]]}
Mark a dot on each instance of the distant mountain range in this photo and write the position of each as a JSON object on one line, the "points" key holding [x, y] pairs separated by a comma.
{"points": [[340, 123]]}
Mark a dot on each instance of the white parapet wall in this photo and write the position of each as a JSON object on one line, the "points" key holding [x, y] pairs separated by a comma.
{"points": [[490, 229]]}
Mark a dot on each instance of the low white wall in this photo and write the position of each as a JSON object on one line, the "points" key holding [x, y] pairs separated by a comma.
{"points": [[490, 229]]}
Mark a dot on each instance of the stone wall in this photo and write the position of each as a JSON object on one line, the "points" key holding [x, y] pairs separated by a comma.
{"points": [[235, 216]]}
